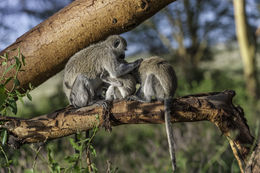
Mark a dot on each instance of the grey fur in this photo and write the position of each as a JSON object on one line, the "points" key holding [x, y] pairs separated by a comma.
{"points": [[158, 79], [82, 82], [120, 87]]}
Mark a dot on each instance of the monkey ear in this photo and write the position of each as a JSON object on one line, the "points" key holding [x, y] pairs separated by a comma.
{"points": [[116, 43]]}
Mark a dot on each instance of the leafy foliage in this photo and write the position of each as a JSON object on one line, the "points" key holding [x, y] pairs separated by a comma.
{"points": [[8, 98]]}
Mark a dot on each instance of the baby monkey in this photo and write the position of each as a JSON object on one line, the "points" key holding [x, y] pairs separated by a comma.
{"points": [[120, 87], [158, 80]]}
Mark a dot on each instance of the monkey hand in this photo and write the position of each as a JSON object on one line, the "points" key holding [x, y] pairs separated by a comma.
{"points": [[112, 81], [103, 75], [139, 61]]}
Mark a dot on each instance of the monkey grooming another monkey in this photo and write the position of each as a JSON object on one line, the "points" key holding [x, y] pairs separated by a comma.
{"points": [[82, 84], [120, 87], [156, 76], [158, 79], [126, 88]]}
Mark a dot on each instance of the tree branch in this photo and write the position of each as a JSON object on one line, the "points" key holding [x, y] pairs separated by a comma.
{"points": [[253, 164], [216, 107], [49, 45]]}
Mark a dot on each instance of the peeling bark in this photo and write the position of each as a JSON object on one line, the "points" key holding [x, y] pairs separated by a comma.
{"points": [[216, 107], [48, 46]]}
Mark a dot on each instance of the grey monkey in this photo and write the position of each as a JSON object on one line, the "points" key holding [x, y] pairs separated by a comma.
{"points": [[156, 76], [82, 84], [120, 87], [157, 79]]}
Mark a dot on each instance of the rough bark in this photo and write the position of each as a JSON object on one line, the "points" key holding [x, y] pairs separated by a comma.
{"points": [[253, 165], [48, 46], [247, 48], [214, 107]]}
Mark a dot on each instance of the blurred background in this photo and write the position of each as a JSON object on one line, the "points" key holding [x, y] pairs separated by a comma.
{"points": [[199, 39]]}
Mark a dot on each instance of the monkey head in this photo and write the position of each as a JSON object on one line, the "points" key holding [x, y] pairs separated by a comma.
{"points": [[118, 44]]}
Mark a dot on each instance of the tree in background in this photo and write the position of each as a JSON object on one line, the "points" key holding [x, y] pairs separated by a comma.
{"points": [[192, 28], [247, 46]]}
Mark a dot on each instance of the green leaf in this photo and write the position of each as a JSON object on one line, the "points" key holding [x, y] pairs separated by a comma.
{"points": [[4, 63], [72, 159], [5, 57], [74, 144], [93, 151], [30, 86], [9, 68], [23, 60], [8, 80], [10, 162], [4, 136], [16, 82], [29, 96], [29, 171], [3, 95], [56, 167], [18, 63], [13, 106], [50, 159], [21, 100]]}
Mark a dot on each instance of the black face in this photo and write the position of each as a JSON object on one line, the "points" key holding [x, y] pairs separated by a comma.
{"points": [[122, 56]]}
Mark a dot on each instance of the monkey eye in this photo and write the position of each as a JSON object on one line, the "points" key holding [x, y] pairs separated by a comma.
{"points": [[116, 43]]}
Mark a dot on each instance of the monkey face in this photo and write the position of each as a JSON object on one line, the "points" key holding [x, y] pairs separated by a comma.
{"points": [[118, 45]]}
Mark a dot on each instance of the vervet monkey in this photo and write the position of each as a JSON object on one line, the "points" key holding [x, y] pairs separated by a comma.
{"points": [[156, 76], [82, 84], [158, 79]]}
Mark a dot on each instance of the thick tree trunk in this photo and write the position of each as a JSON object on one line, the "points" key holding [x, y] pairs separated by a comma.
{"points": [[247, 48], [214, 107], [48, 46]]}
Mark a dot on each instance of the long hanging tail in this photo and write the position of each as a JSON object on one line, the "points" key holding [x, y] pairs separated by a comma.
{"points": [[169, 131]]}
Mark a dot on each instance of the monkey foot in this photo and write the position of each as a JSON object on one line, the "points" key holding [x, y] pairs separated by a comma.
{"points": [[135, 98], [106, 113]]}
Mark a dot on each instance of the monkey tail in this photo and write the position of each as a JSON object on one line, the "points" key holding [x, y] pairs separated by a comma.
{"points": [[169, 131]]}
